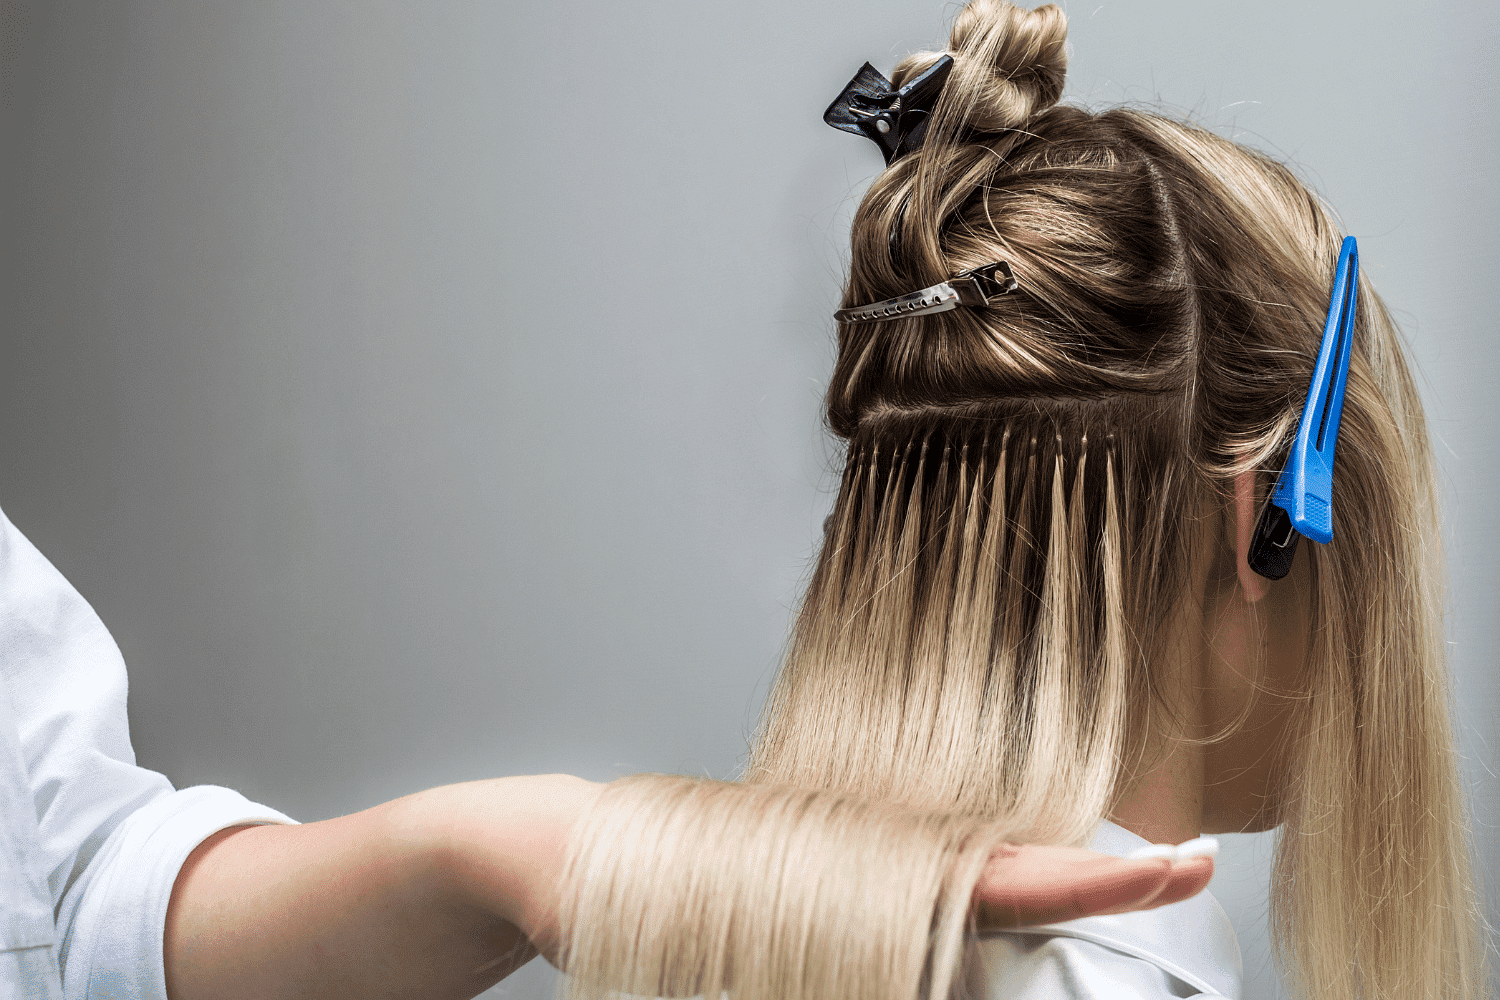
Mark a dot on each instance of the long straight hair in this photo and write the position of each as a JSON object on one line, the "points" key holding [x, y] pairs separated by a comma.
{"points": [[1010, 551]]}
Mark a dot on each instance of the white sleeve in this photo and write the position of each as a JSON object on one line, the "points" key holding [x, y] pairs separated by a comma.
{"points": [[111, 836]]}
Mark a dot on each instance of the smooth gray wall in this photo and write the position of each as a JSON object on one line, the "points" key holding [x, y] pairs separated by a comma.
{"points": [[423, 392]]}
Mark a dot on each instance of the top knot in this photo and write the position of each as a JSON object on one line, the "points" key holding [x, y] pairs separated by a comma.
{"points": [[1008, 64]]}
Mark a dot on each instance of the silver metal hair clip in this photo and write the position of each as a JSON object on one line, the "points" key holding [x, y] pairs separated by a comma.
{"points": [[974, 288]]}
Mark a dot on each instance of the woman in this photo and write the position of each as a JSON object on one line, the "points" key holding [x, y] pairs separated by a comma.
{"points": [[1034, 608]]}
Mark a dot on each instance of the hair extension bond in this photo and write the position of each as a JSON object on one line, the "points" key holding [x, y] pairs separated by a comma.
{"points": [[975, 659]]}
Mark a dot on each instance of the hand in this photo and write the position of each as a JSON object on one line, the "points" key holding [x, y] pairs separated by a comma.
{"points": [[1032, 884], [513, 831]]}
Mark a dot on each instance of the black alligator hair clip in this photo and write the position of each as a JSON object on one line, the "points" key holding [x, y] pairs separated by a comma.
{"points": [[895, 120]]}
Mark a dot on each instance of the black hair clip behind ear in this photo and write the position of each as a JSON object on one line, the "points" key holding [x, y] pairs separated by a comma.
{"points": [[895, 120]]}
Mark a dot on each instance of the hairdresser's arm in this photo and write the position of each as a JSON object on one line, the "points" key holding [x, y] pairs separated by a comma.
{"points": [[378, 903], [436, 895]]}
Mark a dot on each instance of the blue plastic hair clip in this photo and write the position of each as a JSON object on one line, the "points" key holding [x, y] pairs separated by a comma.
{"points": [[1302, 502]]}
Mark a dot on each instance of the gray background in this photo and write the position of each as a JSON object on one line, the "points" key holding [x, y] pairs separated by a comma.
{"points": [[424, 392]]}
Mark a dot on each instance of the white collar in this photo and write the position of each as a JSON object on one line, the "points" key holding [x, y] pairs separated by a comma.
{"points": [[1193, 940]]}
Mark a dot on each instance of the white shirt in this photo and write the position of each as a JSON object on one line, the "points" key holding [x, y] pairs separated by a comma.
{"points": [[1187, 949], [90, 844]]}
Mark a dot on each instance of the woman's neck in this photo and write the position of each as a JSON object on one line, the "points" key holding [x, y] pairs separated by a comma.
{"points": [[1162, 782], [1164, 804], [1212, 758]]}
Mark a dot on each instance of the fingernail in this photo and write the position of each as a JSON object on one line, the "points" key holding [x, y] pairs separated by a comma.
{"points": [[1202, 847], [1154, 851]]}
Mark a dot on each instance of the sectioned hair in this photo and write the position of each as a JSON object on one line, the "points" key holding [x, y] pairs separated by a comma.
{"points": [[1009, 550]]}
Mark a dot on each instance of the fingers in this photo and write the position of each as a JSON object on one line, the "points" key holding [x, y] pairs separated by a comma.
{"points": [[1184, 880], [1192, 869], [1187, 879], [1039, 884]]}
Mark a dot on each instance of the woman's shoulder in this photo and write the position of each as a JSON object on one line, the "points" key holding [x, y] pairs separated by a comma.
{"points": [[1043, 965], [1187, 949]]}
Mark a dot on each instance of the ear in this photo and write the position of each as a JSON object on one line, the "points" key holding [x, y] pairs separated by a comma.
{"points": [[1252, 584]]}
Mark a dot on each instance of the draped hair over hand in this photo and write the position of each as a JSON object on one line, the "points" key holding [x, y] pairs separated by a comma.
{"points": [[1010, 550]]}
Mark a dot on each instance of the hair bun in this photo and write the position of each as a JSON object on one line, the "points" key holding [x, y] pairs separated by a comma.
{"points": [[1008, 63]]}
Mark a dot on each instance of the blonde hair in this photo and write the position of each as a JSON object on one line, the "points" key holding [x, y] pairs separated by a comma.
{"points": [[1007, 556]]}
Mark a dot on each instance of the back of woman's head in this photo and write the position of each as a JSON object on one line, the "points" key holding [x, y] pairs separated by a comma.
{"points": [[1024, 498]]}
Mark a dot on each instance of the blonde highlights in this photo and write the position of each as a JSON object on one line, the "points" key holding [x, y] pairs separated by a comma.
{"points": [[812, 907], [979, 648], [970, 591]]}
